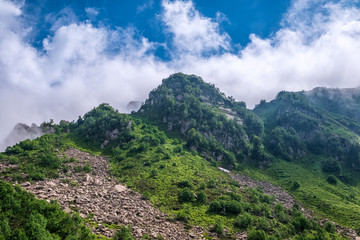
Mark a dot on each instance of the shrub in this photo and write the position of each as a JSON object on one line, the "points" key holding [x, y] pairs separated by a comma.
{"points": [[283, 217], [331, 166], [182, 216], [78, 168], [154, 173], [331, 179], [37, 176], [267, 198], [226, 207], [243, 221], [17, 177], [186, 195], [257, 235], [301, 223], [13, 160], [262, 224], [211, 183], [87, 167], [124, 234], [185, 184], [295, 186], [218, 226], [330, 227], [202, 185], [201, 197], [146, 195], [279, 208], [50, 161]]}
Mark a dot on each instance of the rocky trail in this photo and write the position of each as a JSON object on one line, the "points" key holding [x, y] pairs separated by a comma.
{"points": [[102, 199]]}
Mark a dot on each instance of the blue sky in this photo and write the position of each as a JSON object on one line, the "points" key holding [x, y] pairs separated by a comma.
{"points": [[238, 18], [59, 59]]}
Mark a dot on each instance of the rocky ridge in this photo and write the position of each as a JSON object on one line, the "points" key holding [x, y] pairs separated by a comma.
{"points": [[104, 201]]}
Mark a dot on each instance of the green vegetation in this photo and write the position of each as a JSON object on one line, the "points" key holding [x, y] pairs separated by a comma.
{"points": [[24, 217], [170, 150]]}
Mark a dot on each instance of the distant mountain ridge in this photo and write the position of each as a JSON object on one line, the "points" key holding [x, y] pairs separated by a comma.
{"points": [[344, 101]]}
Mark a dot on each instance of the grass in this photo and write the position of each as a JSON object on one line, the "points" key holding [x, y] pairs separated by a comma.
{"points": [[339, 203]]}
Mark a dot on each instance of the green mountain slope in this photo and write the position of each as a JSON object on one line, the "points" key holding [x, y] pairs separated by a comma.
{"points": [[217, 127], [171, 148], [345, 102]]}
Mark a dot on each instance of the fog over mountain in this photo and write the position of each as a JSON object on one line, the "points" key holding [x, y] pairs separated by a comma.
{"points": [[83, 64]]}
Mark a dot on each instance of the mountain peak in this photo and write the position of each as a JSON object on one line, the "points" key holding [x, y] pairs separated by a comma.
{"points": [[179, 85]]}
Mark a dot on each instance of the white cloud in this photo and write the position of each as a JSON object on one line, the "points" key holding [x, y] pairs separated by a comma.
{"points": [[82, 65], [192, 33], [91, 12], [148, 4]]}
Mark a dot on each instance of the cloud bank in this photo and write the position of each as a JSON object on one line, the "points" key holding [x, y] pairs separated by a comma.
{"points": [[82, 65]]}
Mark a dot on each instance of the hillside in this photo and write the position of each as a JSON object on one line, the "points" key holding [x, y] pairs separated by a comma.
{"points": [[154, 174]]}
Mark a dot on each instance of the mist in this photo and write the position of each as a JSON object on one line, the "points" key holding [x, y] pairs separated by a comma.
{"points": [[77, 67]]}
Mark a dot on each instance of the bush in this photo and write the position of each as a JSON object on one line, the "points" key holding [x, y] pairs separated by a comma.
{"points": [[185, 184], [186, 195], [279, 208], [50, 161], [257, 235], [218, 226], [201, 197], [78, 168], [331, 166], [146, 195], [330, 227], [267, 198], [154, 173], [226, 207], [87, 167], [37, 176], [202, 185], [25, 217], [13, 160], [283, 217], [182, 216], [212, 183], [301, 223], [295, 186], [262, 224], [124, 234], [331, 179], [243, 221]]}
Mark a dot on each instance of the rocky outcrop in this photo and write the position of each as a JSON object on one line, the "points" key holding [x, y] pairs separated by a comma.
{"points": [[103, 200]]}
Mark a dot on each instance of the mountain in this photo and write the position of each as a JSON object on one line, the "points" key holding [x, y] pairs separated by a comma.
{"points": [[339, 101], [297, 127], [214, 125], [192, 163]]}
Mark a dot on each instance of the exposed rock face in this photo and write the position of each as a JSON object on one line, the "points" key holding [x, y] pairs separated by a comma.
{"points": [[103, 197]]}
